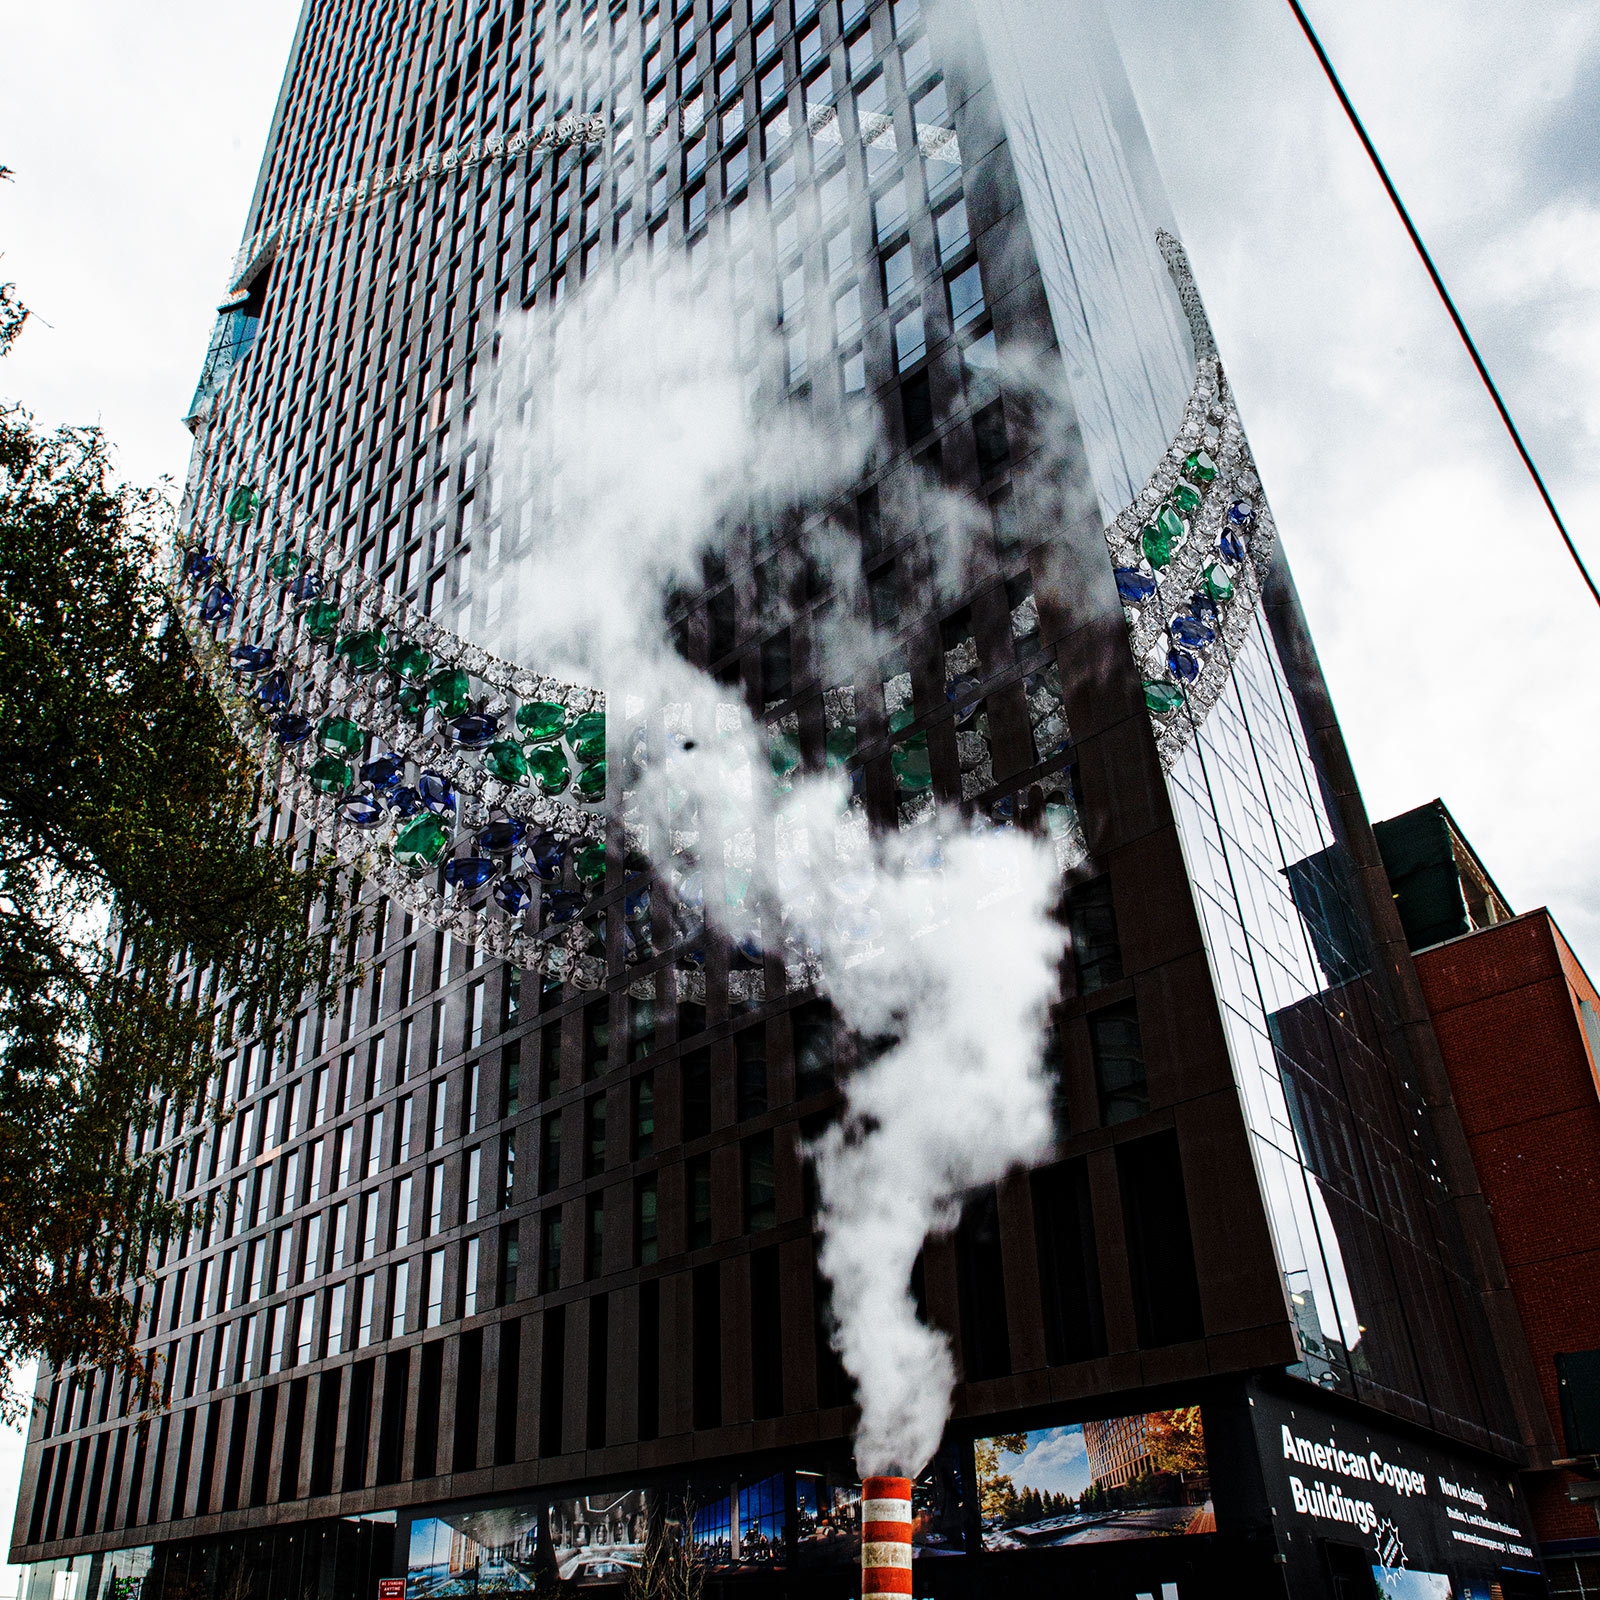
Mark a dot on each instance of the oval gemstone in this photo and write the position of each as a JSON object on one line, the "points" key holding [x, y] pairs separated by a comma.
{"points": [[421, 842], [341, 735], [587, 736], [362, 812], [591, 784], [562, 906], [274, 691], [1231, 547], [911, 765], [543, 856], [363, 652], [329, 775], [244, 503], [217, 604], [469, 872], [284, 566], [406, 802], [322, 619], [197, 564], [500, 837], [840, 745], [305, 588], [448, 690], [1241, 513], [1157, 547], [412, 662], [252, 658], [541, 720], [1204, 607], [504, 760], [1191, 633], [1199, 466], [1134, 586], [384, 772], [636, 906], [548, 767], [292, 730], [1182, 665], [1162, 698], [591, 863], [1185, 497], [1218, 585], [783, 753], [435, 793], [473, 732], [511, 895], [412, 699]]}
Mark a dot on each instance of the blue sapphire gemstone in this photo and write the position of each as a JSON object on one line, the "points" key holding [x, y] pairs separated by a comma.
{"points": [[306, 587], [274, 691], [362, 812], [511, 894], [473, 732], [197, 564], [695, 955], [636, 905], [544, 856], [562, 905], [1241, 514], [749, 950], [1005, 808], [1231, 546], [469, 872], [435, 792], [252, 658], [1191, 633], [1182, 665], [501, 837], [1203, 606], [217, 604], [383, 772], [1134, 586], [407, 803], [292, 729]]}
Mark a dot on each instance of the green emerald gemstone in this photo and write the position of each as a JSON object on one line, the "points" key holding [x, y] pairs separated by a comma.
{"points": [[363, 652], [412, 699], [329, 775], [448, 691], [284, 566], [322, 618], [1162, 698], [1156, 545], [591, 863], [591, 784], [587, 736], [541, 720], [784, 754], [903, 718], [548, 767], [421, 842], [911, 765], [1185, 497], [1217, 583], [341, 735], [840, 745], [412, 662], [504, 760], [1199, 466], [244, 504], [1170, 524]]}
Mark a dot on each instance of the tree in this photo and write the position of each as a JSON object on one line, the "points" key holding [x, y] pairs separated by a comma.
{"points": [[125, 844], [667, 1567], [1176, 1440], [996, 1494]]}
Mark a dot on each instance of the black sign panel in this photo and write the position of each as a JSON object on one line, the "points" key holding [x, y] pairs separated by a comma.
{"points": [[1433, 1523]]}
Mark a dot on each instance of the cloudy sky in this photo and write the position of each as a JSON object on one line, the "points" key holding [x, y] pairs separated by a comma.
{"points": [[1455, 633]]}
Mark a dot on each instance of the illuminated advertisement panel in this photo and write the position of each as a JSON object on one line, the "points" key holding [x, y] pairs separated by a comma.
{"points": [[1139, 1477]]}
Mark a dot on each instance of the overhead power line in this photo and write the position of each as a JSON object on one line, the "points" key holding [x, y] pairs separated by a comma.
{"points": [[1444, 295]]}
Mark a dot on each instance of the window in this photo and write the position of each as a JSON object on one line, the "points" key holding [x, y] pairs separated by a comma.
{"points": [[594, 1136], [760, 1184], [402, 1214], [889, 213], [402, 1136], [305, 1319], [735, 169], [433, 1289], [853, 372], [1155, 1219], [989, 434], [469, 1278], [475, 1015], [435, 1198], [644, 1117], [399, 1283], [510, 1080], [951, 227], [644, 1221], [550, 1153], [594, 1238], [697, 1173], [472, 1178], [508, 1168], [696, 1077], [840, 254], [966, 297], [833, 195], [813, 1049], [1118, 1063], [1069, 1272], [469, 1099], [506, 1276], [899, 275], [367, 1245], [910, 339], [641, 1027], [1096, 949], [550, 1252], [596, 1038], [750, 1070], [365, 1296], [436, 1113]]}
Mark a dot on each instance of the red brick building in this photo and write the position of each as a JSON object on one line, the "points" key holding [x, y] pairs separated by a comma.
{"points": [[1518, 1022]]}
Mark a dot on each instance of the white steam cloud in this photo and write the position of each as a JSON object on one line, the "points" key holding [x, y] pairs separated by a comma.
{"points": [[625, 444]]}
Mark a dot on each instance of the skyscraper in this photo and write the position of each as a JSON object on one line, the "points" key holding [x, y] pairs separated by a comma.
{"points": [[514, 1247]]}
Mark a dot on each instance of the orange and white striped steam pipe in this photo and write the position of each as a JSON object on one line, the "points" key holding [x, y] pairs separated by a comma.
{"points": [[885, 1538]]}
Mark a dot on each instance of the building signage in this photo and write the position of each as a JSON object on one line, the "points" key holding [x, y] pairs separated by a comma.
{"points": [[1417, 1510], [391, 1589]]}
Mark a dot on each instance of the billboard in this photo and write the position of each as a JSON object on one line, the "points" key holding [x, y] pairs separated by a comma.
{"points": [[1137, 1477], [828, 1512]]}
